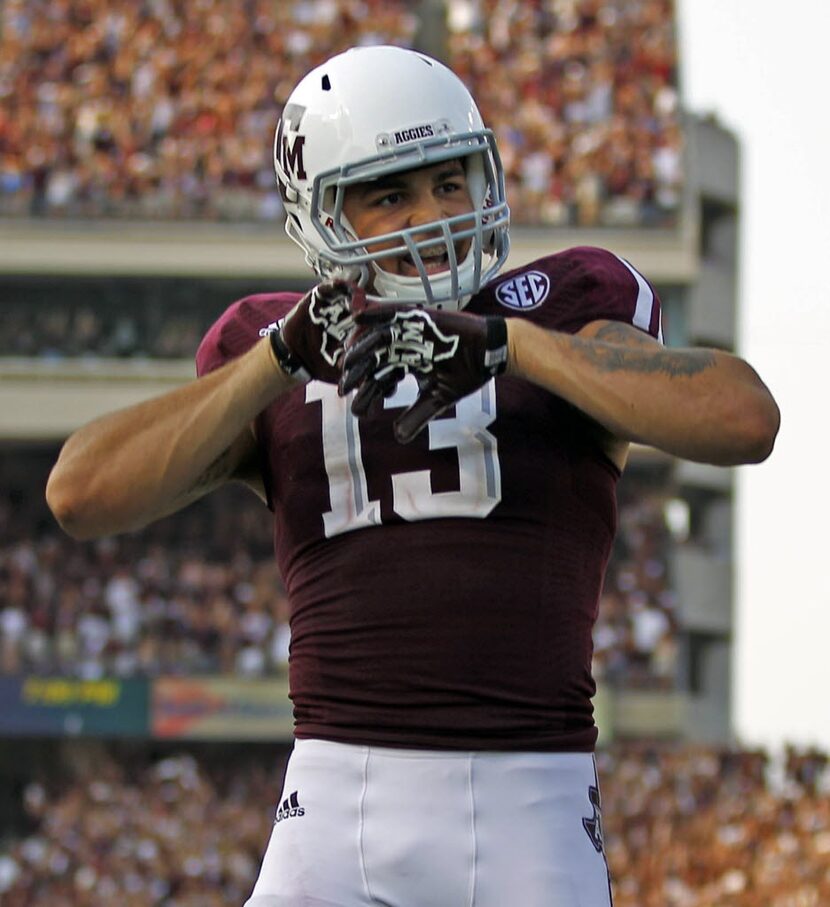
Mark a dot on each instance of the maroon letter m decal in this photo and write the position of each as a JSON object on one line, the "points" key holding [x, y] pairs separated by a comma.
{"points": [[292, 156]]}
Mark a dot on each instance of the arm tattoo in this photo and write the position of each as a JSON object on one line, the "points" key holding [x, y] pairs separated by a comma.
{"points": [[622, 348], [220, 468]]}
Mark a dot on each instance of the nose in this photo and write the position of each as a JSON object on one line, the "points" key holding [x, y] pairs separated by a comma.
{"points": [[426, 209]]}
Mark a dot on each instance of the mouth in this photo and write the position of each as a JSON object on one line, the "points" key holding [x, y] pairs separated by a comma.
{"points": [[435, 261]]}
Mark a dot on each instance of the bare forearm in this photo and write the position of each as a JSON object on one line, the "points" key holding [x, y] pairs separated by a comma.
{"points": [[699, 404], [135, 465]]}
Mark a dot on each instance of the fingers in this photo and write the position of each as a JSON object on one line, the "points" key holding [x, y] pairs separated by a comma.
{"points": [[355, 374], [366, 344], [362, 357], [376, 314], [368, 392], [370, 313], [374, 389], [428, 405]]}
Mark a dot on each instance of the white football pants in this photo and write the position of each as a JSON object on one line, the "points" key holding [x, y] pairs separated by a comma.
{"points": [[361, 826]]}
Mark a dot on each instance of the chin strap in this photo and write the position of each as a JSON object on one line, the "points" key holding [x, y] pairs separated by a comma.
{"points": [[394, 288]]}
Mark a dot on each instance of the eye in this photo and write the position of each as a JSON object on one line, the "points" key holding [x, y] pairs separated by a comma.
{"points": [[389, 198], [451, 186]]}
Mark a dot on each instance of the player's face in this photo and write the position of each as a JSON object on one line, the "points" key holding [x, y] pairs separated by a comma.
{"points": [[405, 200]]}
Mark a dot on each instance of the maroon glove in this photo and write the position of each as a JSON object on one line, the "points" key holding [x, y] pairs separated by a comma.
{"points": [[309, 341], [451, 354]]}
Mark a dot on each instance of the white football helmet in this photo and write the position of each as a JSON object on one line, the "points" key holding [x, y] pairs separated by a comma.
{"points": [[364, 114]]}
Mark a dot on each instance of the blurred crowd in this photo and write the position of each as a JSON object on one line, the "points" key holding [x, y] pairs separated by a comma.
{"points": [[199, 593], [701, 827], [636, 639], [683, 827], [56, 330], [137, 832], [166, 109], [583, 98], [53, 319]]}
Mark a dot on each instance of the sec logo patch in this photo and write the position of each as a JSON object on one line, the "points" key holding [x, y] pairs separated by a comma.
{"points": [[525, 291]]}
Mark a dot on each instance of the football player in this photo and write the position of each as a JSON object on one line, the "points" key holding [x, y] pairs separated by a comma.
{"points": [[439, 443]]}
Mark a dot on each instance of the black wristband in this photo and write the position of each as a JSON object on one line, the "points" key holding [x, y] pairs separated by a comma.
{"points": [[288, 362], [495, 356]]}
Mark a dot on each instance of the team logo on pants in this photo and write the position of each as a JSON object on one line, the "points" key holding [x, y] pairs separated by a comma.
{"points": [[290, 808], [593, 826]]}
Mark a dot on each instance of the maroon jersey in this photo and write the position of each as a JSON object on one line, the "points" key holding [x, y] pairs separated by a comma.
{"points": [[443, 592]]}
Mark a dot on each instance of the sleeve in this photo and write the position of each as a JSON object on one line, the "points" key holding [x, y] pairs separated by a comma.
{"points": [[596, 284], [239, 328]]}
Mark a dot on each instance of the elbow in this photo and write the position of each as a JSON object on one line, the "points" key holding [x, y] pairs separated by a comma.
{"points": [[74, 512], [65, 507], [761, 426]]}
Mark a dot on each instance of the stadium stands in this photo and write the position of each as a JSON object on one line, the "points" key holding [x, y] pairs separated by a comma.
{"points": [[49, 318], [583, 99], [707, 827], [635, 638], [176, 122], [137, 831], [195, 594]]}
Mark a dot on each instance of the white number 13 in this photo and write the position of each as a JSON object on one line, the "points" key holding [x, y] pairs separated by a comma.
{"points": [[479, 486]]}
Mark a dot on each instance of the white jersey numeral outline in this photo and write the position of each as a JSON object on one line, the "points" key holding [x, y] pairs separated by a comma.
{"points": [[467, 431], [348, 491]]}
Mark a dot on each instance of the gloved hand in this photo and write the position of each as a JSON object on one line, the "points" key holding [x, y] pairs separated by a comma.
{"points": [[451, 354], [309, 341]]}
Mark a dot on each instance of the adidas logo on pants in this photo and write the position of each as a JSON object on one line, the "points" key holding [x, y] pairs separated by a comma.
{"points": [[290, 807]]}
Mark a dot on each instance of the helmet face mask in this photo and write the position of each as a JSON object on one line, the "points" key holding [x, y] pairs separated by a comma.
{"points": [[362, 116]]}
